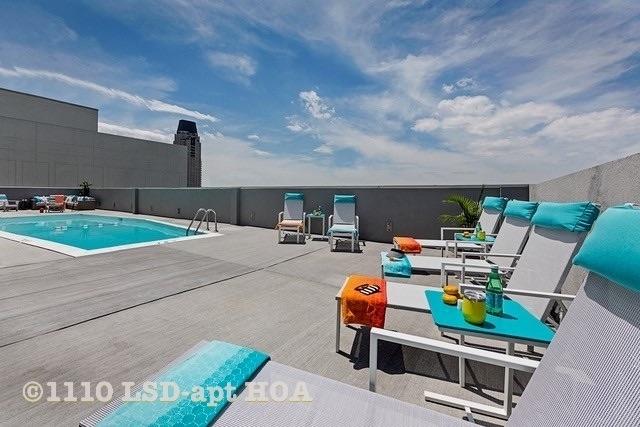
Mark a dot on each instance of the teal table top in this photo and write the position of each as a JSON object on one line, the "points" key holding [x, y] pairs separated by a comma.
{"points": [[315, 215], [516, 323], [472, 238]]}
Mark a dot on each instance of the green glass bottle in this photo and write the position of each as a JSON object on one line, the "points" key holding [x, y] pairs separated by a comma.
{"points": [[494, 292]]}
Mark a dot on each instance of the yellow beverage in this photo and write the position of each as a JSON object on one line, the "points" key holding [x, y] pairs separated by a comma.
{"points": [[474, 308]]}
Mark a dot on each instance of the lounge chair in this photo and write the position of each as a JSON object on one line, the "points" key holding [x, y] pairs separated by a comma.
{"points": [[537, 279], [56, 203], [588, 374], [39, 202], [332, 403], [504, 252], [80, 203], [344, 222], [492, 210], [292, 218], [6, 204]]}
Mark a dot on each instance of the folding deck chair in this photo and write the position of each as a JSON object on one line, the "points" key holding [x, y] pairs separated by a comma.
{"points": [[292, 218], [344, 222]]}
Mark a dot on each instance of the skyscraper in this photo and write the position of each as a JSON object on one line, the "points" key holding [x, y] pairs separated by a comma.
{"points": [[187, 135]]}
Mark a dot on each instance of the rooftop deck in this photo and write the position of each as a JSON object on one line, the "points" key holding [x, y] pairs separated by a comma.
{"points": [[122, 316]]}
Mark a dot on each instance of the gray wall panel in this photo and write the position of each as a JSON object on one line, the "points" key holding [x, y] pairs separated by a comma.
{"points": [[609, 184], [410, 211]]}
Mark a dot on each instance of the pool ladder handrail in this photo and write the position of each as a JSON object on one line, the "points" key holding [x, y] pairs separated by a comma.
{"points": [[205, 215]]}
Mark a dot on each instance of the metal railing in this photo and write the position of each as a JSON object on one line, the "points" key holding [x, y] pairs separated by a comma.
{"points": [[205, 216]]}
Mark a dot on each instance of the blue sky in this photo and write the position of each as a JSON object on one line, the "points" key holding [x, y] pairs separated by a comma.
{"points": [[336, 92]]}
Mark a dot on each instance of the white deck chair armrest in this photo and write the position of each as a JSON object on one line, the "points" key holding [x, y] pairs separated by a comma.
{"points": [[280, 216], [330, 220], [443, 229], [442, 347], [524, 292], [358, 224]]}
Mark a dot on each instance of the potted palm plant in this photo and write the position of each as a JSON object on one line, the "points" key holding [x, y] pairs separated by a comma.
{"points": [[85, 188], [470, 210]]}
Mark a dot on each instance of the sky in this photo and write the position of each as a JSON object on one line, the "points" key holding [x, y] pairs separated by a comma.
{"points": [[338, 92]]}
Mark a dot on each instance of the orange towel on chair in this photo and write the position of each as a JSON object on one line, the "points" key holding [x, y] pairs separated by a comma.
{"points": [[364, 301], [407, 244]]}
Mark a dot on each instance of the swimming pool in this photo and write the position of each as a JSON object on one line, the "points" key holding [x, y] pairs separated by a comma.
{"points": [[79, 234]]}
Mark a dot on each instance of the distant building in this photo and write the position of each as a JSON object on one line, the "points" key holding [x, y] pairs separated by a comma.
{"points": [[49, 143], [187, 135]]}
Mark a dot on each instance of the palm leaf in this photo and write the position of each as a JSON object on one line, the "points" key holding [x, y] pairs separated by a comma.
{"points": [[470, 211]]}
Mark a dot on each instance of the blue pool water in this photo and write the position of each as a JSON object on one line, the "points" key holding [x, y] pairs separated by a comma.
{"points": [[90, 231]]}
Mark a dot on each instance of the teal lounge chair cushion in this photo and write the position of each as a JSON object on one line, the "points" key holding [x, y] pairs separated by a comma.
{"points": [[3, 197], [293, 196], [520, 209], [576, 217], [214, 365], [399, 268], [612, 249], [343, 228], [343, 198], [494, 203]]}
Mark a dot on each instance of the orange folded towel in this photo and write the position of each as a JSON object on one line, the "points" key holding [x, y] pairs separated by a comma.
{"points": [[364, 301], [407, 244]]}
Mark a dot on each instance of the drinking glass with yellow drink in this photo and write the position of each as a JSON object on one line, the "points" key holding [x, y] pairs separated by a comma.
{"points": [[474, 308]]}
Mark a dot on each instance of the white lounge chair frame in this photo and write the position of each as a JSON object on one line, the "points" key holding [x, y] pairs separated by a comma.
{"points": [[344, 214], [8, 204], [505, 251], [490, 220], [586, 360], [293, 211]]}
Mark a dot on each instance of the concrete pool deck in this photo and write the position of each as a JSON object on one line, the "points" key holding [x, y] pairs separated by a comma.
{"points": [[121, 316]]}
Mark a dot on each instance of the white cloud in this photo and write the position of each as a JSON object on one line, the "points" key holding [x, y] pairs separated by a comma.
{"points": [[297, 126], [518, 118], [253, 137], [427, 124], [240, 66], [315, 105], [613, 124], [324, 149], [466, 82], [133, 99], [478, 115], [150, 135], [262, 153], [467, 105]]}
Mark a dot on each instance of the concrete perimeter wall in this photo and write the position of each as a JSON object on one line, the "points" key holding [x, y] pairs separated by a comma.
{"points": [[609, 184], [384, 211]]}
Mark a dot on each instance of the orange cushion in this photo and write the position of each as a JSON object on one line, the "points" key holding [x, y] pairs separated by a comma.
{"points": [[407, 244], [294, 223]]}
